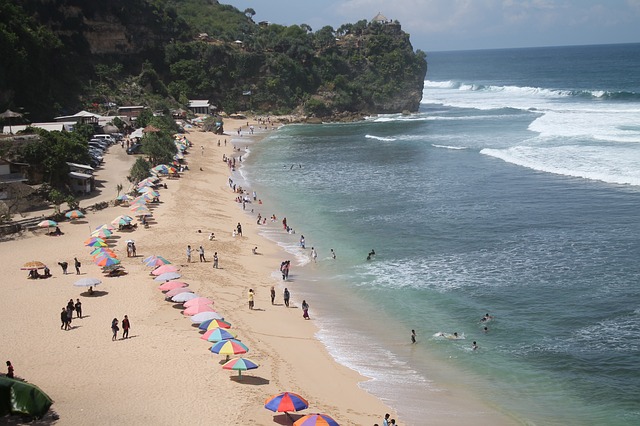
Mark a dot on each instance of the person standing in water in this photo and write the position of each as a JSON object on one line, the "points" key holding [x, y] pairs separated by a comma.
{"points": [[413, 336]]}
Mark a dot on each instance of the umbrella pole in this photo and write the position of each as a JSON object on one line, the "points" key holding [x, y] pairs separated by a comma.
{"points": [[239, 373]]}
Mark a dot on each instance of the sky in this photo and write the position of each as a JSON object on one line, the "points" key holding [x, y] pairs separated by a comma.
{"points": [[441, 25]]}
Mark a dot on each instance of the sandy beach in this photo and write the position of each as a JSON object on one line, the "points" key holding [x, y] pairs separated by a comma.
{"points": [[164, 373]]}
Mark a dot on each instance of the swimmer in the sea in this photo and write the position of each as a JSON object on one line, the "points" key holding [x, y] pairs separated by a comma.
{"points": [[474, 346]]}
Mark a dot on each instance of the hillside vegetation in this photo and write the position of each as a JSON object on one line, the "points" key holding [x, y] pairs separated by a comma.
{"points": [[65, 55]]}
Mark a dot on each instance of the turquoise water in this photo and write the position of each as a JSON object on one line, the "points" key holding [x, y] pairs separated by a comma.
{"points": [[513, 191]]}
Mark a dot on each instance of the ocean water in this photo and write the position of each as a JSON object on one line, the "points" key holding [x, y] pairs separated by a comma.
{"points": [[514, 191]]}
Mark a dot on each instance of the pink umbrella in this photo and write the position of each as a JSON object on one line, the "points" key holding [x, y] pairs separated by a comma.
{"points": [[170, 285], [198, 301], [175, 291], [197, 309], [164, 269]]}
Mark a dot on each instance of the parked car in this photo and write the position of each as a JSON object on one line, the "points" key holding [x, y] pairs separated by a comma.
{"points": [[136, 148]]}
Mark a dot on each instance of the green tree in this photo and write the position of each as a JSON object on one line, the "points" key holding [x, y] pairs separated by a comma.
{"points": [[57, 198], [141, 169], [158, 147]]}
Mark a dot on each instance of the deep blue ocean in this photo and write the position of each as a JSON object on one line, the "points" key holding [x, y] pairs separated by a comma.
{"points": [[514, 191]]}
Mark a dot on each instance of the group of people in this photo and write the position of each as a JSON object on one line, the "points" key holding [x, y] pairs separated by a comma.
{"points": [[65, 265], [284, 269], [66, 315], [34, 274], [126, 325]]}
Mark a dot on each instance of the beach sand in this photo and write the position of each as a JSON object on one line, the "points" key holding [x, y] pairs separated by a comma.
{"points": [[164, 373]]}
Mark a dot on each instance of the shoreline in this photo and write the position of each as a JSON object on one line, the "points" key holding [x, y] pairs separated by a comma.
{"points": [[89, 376], [84, 369]]}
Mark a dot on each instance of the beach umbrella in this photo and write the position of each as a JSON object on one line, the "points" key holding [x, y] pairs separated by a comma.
{"points": [[8, 114], [183, 297], [218, 334], [315, 420], [105, 226], [34, 264], [87, 282], [103, 251], [196, 309], [172, 285], [111, 268], [124, 198], [156, 261], [198, 301], [161, 168], [106, 261], [240, 365], [47, 224], [165, 269], [167, 276], [169, 294], [214, 323], [204, 316], [95, 242], [122, 220], [230, 347], [74, 214], [140, 210], [285, 401], [101, 233]]}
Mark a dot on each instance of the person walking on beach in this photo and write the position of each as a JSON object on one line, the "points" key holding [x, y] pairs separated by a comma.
{"points": [[126, 325], [251, 296], [215, 260], [10, 372], [201, 252], [188, 254], [286, 297], [63, 319], [64, 266], [114, 329], [77, 264], [413, 336], [305, 310], [78, 307], [239, 229], [385, 422], [273, 295]]}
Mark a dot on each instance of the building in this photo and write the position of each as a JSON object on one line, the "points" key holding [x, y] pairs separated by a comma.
{"points": [[197, 106], [81, 177], [131, 111], [80, 117]]}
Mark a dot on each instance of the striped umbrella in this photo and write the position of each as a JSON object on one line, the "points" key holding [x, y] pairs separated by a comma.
{"points": [[106, 261], [101, 233], [214, 323], [218, 334], [316, 420], [240, 365], [286, 401], [47, 224], [74, 214], [229, 347]]}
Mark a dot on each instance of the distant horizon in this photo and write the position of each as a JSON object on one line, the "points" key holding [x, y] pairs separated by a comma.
{"points": [[532, 47]]}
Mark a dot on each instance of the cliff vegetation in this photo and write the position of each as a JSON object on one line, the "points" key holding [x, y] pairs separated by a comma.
{"points": [[65, 55]]}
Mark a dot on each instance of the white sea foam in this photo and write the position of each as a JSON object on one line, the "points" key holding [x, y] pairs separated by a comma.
{"points": [[448, 147], [380, 138], [602, 163]]}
